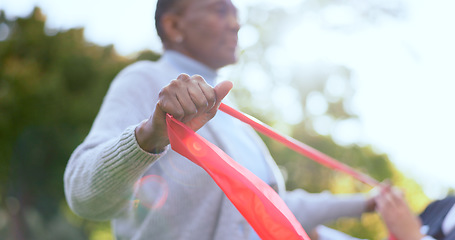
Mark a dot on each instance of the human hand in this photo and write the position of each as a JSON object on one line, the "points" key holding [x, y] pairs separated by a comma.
{"points": [[397, 216], [370, 205], [188, 99]]}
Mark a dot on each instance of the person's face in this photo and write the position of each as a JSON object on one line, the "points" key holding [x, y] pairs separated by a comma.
{"points": [[209, 29]]}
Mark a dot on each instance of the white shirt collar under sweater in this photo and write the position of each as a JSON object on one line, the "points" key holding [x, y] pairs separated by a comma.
{"points": [[190, 66]]}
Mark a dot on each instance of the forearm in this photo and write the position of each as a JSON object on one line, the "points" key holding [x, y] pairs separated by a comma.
{"points": [[99, 179]]}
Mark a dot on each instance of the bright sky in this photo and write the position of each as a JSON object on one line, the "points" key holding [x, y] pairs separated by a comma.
{"points": [[405, 80], [405, 85]]}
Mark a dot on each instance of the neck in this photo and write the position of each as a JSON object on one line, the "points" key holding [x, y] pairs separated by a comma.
{"points": [[179, 48], [190, 66]]}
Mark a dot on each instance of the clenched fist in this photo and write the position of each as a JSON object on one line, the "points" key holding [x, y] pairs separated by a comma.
{"points": [[188, 99]]}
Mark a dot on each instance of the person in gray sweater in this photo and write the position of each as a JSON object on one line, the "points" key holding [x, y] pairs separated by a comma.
{"points": [[124, 170]]}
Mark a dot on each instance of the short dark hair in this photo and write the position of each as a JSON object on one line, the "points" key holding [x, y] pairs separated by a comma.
{"points": [[162, 7]]}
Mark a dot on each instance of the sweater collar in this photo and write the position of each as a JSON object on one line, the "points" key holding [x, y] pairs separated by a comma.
{"points": [[189, 66]]}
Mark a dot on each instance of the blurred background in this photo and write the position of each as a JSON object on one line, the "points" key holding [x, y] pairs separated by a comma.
{"points": [[368, 82]]}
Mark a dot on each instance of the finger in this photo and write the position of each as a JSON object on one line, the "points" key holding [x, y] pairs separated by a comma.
{"points": [[390, 201], [193, 101], [393, 198], [209, 93], [384, 200], [398, 192], [202, 94], [397, 196], [380, 203], [183, 87], [171, 106], [169, 101], [188, 106], [174, 98]]}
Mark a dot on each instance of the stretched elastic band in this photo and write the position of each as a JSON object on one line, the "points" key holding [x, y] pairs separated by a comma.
{"points": [[297, 146], [259, 204]]}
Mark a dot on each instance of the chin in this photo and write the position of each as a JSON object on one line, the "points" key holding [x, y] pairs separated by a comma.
{"points": [[223, 58], [230, 62], [224, 61], [232, 58]]}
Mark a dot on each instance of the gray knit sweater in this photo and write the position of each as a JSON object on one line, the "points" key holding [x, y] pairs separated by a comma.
{"points": [[174, 199]]}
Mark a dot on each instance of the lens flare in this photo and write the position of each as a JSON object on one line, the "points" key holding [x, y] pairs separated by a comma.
{"points": [[195, 147], [151, 192]]}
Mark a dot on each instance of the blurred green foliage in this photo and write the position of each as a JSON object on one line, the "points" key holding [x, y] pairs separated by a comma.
{"points": [[51, 86]]}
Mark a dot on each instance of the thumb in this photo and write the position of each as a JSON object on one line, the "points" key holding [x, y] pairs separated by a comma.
{"points": [[221, 90]]}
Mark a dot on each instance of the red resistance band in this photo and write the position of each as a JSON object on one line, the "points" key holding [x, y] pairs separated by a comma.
{"points": [[297, 146], [300, 147], [259, 204]]}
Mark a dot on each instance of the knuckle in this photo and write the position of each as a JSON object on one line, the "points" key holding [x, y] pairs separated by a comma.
{"points": [[191, 111], [174, 84], [163, 92], [164, 105], [198, 79], [178, 114], [183, 77]]}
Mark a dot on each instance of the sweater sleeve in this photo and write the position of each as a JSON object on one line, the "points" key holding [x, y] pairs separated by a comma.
{"points": [[100, 175], [313, 209], [99, 181]]}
